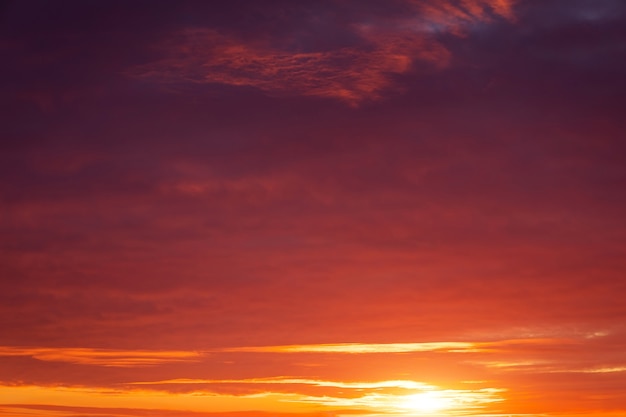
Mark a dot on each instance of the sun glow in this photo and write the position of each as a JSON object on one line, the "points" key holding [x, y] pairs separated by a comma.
{"points": [[426, 402]]}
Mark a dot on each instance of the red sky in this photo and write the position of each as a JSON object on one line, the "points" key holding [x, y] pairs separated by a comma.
{"points": [[312, 208]]}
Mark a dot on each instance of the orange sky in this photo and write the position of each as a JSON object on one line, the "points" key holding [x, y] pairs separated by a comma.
{"points": [[319, 208]]}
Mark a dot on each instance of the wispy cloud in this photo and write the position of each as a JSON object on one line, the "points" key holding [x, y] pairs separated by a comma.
{"points": [[360, 348], [205, 56], [101, 357], [387, 396], [145, 399], [364, 396], [447, 401], [405, 384], [458, 16], [30, 410], [597, 370], [369, 348], [352, 73]]}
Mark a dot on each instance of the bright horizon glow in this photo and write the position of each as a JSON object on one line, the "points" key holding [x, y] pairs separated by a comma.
{"points": [[427, 402], [376, 397]]}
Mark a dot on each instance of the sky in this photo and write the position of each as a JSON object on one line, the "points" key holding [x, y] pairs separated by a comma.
{"points": [[312, 208]]}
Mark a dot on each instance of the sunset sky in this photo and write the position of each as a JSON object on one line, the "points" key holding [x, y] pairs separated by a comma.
{"points": [[313, 208]]}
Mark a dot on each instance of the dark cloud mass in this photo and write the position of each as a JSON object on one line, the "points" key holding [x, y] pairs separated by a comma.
{"points": [[179, 178]]}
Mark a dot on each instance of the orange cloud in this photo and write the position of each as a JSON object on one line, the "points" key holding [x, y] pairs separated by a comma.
{"points": [[362, 397], [33, 410], [103, 397], [405, 384], [361, 348], [101, 357]]}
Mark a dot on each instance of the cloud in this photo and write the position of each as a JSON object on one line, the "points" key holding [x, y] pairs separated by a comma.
{"points": [[145, 399], [360, 348], [248, 377], [102, 357], [376, 397], [30, 410], [451, 400], [459, 16], [352, 73], [405, 384], [204, 56]]}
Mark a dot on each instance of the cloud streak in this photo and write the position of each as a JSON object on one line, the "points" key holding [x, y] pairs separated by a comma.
{"points": [[360, 348], [204, 56], [101, 357], [410, 385], [351, 73]]}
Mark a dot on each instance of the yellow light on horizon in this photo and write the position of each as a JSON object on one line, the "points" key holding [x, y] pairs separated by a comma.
{"points": [[426, 402]]}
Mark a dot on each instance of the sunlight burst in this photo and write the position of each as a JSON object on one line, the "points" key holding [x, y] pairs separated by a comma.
{"points": [[426, 402]]}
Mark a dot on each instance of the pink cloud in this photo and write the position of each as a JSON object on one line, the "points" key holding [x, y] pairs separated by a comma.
{"points": [[350, 73]]}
